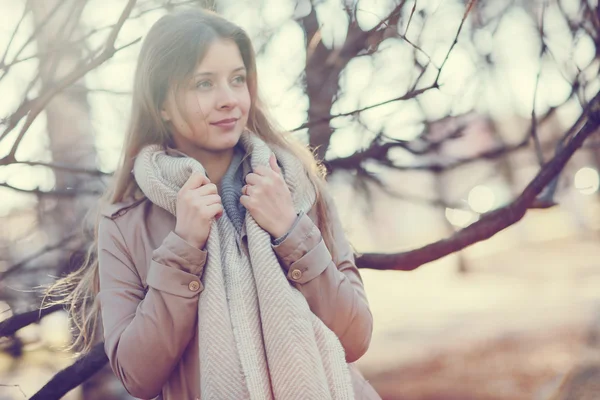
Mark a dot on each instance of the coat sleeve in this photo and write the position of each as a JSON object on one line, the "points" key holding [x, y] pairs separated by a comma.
{"points": [[333, 287], [146, 332]]}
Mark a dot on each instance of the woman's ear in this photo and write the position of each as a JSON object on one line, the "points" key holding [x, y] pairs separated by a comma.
{"points": [[165, 115]]}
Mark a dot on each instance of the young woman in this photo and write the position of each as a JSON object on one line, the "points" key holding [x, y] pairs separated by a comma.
{"points": [[222, 269]]}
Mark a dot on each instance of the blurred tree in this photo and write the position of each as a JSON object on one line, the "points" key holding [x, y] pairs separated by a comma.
{"points": [[71, 142], [448, 139]]}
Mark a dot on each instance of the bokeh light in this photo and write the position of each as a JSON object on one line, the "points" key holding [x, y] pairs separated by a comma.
{"points": [[587, 180], [481, 199], [460, 218]]}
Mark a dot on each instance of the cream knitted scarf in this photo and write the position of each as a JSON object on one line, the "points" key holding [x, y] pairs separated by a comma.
{"points": [[258, 338]]}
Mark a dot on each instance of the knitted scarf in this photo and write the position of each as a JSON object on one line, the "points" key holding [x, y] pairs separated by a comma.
{"points": [[258, 338]]}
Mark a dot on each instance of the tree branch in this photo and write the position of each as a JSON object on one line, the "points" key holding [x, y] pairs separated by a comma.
{"points": [[73, 376], [15, 267], [11, 325], [406, 96], [55, 193], [56, 166], [466, 14], [493, 222], [34, 107]]}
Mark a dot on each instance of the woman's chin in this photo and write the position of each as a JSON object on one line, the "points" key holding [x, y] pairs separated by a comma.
{"points": [[228, 140], [224, 139]]}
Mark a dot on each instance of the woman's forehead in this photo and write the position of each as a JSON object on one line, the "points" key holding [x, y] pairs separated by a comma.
{"points": [[221, 56]]}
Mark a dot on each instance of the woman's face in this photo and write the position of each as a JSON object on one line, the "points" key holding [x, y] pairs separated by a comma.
{"points": [[215, 102]]}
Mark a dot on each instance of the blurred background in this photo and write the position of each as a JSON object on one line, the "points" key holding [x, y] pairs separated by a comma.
{"points": [[432, 117]]}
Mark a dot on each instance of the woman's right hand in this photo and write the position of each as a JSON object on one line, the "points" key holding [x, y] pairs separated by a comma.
{"points": [[198, 204]]}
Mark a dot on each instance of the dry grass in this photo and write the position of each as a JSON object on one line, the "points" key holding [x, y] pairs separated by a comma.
{"points": [[518, 367]]}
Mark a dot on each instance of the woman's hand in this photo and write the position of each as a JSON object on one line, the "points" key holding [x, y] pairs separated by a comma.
{"points": [[198, 204], [268, 199]]}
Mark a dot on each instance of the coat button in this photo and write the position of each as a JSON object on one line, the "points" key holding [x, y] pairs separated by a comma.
{"points": [[194, 286], [296, 274]]}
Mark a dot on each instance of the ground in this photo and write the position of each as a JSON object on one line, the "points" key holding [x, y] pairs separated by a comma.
{"points": [[512, 328]]}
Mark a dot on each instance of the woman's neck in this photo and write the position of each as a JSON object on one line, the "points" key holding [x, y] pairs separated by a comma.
{"points": [[215, 163]]}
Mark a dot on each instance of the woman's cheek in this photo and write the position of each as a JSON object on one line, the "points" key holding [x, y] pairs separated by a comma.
{"points": [[245, 103]]}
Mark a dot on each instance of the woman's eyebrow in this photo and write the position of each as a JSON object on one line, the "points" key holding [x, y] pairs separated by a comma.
{"points": [[214, 73]]}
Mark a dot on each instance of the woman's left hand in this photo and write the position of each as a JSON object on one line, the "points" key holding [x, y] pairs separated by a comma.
{"points": [[268, 199]]}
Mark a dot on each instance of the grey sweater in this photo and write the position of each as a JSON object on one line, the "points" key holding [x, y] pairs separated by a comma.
{"points": [[231, 190]]}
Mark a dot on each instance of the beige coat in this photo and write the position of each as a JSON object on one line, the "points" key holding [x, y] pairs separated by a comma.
{"points": [[150, 280]]}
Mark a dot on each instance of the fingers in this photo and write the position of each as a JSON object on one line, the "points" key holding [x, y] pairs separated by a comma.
{"points": [[196, 180], [261, 175], [214, 210], [211, 199], [209, 188], [269, 170], [264, 170], [253, 179], [246, 202], [246, 190]]}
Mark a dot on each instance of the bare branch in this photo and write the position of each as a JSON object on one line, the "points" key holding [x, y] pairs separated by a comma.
{"points": [[56, 167], [14, 34], [534, 135], [11, 325], [43, 100], [466, 14], [15, 267], [37, 30], [55, 49], [33, 108], [55, 193], [378, 151], [406, 96], [73, 376], [493, 222], [412, 12], [16, 386]]}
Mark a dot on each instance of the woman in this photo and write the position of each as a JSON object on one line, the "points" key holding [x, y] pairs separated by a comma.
{"points": [[222, 269]]}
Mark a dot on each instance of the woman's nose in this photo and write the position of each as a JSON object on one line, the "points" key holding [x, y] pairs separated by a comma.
{"points": [[226, 98]]}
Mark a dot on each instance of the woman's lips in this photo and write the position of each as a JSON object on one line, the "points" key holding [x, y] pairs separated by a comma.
{"points": [[226, 123]]}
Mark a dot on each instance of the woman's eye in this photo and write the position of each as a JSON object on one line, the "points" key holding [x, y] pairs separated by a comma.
{"points": [[203, 85], [239, 79]]}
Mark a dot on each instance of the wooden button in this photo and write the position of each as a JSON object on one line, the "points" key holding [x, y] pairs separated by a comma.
{"points": [[296, 274], [194, 286]]}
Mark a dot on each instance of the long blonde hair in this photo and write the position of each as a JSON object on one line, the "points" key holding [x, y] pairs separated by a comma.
{"points": [[171, 51]]}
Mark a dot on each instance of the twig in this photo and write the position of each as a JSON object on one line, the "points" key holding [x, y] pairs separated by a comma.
{"points": [[379, 152], [14, 34], [55, 49], [38, 28], [406, 96], [469, 7], [44, 99], [56, 166], [43, 251], [17, 386], [412, 12], [53, 193], [34, 107], [534, 135]]}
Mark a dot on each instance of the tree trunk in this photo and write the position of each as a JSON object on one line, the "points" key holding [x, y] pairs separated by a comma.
{"points": [[71, 140]]}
